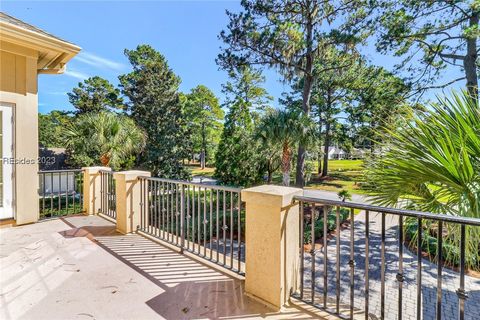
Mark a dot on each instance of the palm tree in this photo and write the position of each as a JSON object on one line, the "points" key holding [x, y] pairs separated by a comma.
{"points": [[106, 137], [433, 164], [344, 195], [285, 129]]}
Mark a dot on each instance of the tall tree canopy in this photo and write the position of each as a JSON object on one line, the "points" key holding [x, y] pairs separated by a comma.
{"points": [[152, 90], [431, 36], [50, 128], [378, 103], [331, 91], [351, 102], [237, 161], [204, 118], [288, 35], [246, 87], [95, 95]]}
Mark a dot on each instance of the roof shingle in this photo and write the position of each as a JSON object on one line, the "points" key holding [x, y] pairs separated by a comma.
{"points": [[19, 23]]}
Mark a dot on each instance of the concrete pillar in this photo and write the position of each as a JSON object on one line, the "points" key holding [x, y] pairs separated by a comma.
{"points": [[91, 189], [127, 188], [272, 243]]}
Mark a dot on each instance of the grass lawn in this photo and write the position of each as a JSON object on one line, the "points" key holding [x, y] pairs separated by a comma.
{"points": [[195, 170], [345, 165], [343, 174]]}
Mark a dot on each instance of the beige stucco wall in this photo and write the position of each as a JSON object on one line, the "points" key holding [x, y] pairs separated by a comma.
{"points": [[18, 86], [128, 198], [272, 237]]}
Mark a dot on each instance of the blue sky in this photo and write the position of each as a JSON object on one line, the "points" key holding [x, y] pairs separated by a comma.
{"points": [[184, 31]]}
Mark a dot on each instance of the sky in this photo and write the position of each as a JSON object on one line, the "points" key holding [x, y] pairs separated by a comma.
{"points": [[185, 32]]}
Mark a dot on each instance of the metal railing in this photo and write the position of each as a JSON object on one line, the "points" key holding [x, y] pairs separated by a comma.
{"points": [[205, 220], [60, 192], [361, 244], [107, 194]]}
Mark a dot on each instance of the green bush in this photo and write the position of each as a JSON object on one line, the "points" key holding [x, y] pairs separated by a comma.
{"points": [[450, 244], [57, 207], [170, 222], [318, 227]]}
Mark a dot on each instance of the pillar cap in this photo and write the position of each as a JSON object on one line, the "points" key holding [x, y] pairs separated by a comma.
{"points": [[94, 170], [271, 195], [131, 174]]}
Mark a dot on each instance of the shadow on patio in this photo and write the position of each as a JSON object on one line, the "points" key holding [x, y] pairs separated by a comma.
{"points": [[70, 268]]}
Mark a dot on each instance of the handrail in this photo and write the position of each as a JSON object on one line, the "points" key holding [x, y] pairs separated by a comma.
{"points": [[59, 171], [107, 194], [60, 192], [395, 211], [359, 235], [184, 182], [203, 219]]}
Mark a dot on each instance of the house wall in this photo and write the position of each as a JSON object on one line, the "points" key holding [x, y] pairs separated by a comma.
{"points": [[18, 86]]}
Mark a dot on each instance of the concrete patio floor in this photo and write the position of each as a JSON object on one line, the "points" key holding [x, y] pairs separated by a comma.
{"points": [[80, 268]]}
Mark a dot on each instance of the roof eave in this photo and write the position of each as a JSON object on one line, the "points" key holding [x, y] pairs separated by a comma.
{"points": [[58, 52]]}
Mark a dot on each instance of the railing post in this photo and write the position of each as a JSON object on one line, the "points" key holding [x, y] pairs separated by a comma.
{"points": [[128, 196], [272, 259], [182, 217], [91, 189]]}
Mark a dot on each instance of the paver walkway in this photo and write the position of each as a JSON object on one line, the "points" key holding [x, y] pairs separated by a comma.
{"points": [[429, 276]]}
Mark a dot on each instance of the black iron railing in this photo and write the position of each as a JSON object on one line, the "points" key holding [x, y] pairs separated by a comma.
{"points": [[107, 194], [203, 219], [60, 192], [369, 270]]}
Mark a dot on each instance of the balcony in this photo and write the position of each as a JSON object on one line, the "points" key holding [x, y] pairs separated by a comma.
{"points": [[79, 267], [127, 246]]}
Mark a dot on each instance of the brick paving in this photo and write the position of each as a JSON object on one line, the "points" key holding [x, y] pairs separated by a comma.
{"points": [[450, 278]]}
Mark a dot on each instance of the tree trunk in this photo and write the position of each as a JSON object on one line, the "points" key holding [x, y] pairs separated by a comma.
{"points": [[319, 158], [327, 133], [469, 62], [286, 164], [372, 140], [326, 149], [307, 89], [269, 171]]}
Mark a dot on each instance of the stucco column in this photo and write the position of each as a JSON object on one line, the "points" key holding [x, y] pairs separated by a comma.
{"points": [[91, 189], [127, 188], [272, 243]]}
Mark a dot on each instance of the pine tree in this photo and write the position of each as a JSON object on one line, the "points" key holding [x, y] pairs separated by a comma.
{"points": [[289, 35], [152, 88], [95, 95], [205, 117], [237, 161]]}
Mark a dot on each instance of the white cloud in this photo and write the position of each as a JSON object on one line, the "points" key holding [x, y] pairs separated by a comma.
{"points": [[56, 93], [75, 74], [99, 62]]}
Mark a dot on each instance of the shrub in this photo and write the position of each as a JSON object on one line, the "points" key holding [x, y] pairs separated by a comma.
{"points": [[318, 227], [433, 164]]}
